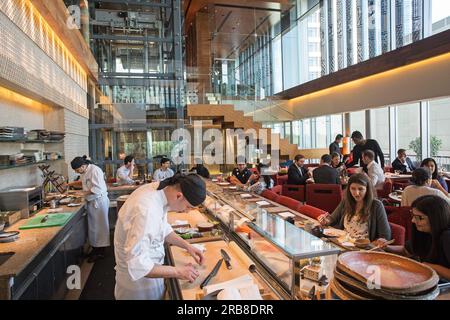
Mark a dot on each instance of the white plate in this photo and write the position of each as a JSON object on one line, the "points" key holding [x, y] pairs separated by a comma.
{"points": [[246, 195], [262, 203], [224, 183], [286, 214], [348, 244], [232, 188], [74, 204], [214, 180], [334, 232]]}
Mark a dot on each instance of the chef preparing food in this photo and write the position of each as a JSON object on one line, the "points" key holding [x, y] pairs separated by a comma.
{"points": [[96, 195], [142, 230], [125, 172]]}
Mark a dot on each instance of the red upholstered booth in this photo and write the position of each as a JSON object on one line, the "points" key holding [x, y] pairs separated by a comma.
{"points": [[296, 192], [387, 189], [324, 196], [277, 189], [310, 211], [268, 194], [401, 216], [388, 169], [281, 179], [288, 202], [398, 233]]}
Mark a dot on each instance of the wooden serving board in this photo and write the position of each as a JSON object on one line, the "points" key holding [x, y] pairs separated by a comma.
{"points": [[192, 291], [397, 274]]}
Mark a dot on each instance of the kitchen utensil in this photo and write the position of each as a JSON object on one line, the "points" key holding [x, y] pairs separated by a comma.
{"points": [[212, 274], [382, 245], [44, 219], [226, 258]]}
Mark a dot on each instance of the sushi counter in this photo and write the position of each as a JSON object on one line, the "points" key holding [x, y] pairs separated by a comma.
{"points": [[253, 251]]}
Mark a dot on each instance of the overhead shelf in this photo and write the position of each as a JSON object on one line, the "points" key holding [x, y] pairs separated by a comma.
{"points": [[27, 164]]}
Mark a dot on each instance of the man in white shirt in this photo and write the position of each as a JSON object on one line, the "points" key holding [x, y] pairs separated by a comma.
{"points": [[164, 172], [142, 231], [374, 170], [125, 172]]}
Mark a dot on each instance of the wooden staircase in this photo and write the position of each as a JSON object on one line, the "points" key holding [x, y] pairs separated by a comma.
{"points": [[229, 118]]}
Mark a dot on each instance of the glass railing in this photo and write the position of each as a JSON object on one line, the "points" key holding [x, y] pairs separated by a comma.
{"points": [[243, 97]]}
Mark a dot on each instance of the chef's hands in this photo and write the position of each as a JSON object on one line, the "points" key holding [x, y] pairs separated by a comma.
{"points": [[187, 272], [196, 253]]}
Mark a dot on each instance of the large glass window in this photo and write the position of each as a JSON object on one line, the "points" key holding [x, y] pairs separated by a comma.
{"points": [[336, 125], [379, 126], [408, 128], [277, 67], [309, 46], [321, 132], [358, 122], [290, 59], [296, 133], [307, 134], [440, 131], [440, 15]]}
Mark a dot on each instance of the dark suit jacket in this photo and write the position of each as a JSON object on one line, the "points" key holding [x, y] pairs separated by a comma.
{"points": [[326, 175], [334, 147], [398, 165], [294, 176]]}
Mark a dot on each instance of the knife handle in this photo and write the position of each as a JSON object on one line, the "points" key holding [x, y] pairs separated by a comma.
{"points": [[229, 267], [206, 281]]}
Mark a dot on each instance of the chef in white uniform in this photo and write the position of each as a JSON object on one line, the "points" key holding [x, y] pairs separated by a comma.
{"points": [[97, 203], [125, 172], [142, 230]]}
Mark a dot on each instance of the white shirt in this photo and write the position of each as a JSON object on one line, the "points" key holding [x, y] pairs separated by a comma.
{"points": [[376, 174], [139, 239], [93, 180], [160, 175], [413, 192], [123, 175]]}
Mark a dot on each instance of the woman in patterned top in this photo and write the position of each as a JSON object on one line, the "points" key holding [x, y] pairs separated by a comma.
{"points": [[359, 213]]}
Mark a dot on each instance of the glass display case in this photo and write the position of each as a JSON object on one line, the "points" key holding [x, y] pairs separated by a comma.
{"points": [[291, 256], [296, 257]]}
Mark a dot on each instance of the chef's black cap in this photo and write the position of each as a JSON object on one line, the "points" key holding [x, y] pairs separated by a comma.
{"points": [[77, 162], [192, 187]]}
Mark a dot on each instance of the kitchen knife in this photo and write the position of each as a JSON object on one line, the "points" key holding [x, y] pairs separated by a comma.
{"points": [[227, 259], [212, 274], [44, 219]]}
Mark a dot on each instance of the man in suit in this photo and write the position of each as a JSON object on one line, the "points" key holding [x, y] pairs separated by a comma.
{"points": [[403, 163], [297, 174], [325, 173], [334, 146]]}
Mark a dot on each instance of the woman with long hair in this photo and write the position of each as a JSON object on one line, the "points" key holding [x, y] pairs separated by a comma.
{"points": [[438, 181], [359, 213], [422, 181], [259, 182], [430, 238]]}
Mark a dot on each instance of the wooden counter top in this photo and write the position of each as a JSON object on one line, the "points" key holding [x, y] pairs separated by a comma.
{"points": [[192, 291], [30, 243], [125, 187], [193, 217]]}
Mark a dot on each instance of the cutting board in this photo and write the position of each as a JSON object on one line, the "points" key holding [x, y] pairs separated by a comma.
{"points": [[54, 220]]}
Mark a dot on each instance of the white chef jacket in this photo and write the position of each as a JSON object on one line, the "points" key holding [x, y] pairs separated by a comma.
{"points": [[160, 175], [376, 174], [139, 243], [97, 206], [123, 176]]}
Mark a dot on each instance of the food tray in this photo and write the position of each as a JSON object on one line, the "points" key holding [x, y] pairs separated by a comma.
{"points": [[398, 274]]}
